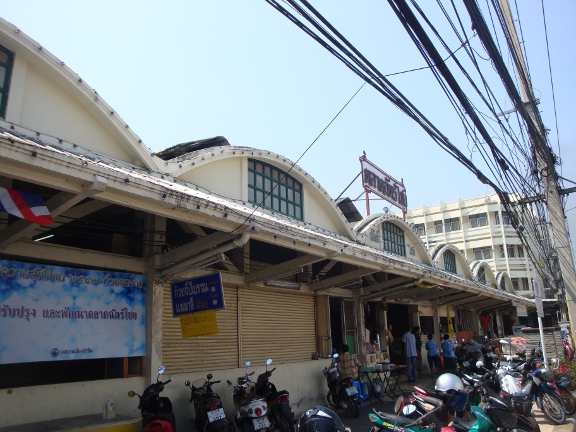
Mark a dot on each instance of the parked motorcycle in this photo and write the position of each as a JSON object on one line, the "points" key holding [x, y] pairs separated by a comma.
{"points": [[251, 408], [536, 384], [408, 419], [341, 391], [209, 414], [278, 401], [156, 410], [461, 410]]}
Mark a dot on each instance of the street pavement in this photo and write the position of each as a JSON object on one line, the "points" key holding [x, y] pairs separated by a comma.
{"points": [[363, 424]]}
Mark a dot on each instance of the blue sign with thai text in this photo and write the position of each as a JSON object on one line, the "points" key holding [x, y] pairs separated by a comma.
{"points": [[197, 294], [52, 313]]}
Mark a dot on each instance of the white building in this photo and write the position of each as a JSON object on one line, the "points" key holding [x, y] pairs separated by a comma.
{"points": [[480, 228]]}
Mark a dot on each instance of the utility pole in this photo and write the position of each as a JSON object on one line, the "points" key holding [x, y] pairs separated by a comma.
{"points": [[566, 283]]}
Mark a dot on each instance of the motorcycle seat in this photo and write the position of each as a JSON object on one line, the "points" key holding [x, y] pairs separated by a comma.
{"points": [[391, 418]]}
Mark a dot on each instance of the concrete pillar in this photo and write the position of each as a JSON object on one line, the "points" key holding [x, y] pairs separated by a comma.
{"points": [[156, 227]]}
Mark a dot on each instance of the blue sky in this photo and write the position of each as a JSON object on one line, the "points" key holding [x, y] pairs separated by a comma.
{"points": [[185, 70]]}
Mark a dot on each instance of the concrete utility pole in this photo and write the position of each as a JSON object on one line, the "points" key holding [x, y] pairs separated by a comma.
{"points": [[566, 284]]}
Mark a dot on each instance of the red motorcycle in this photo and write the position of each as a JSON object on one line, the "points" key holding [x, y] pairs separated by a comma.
{"points": [[156, 410]]}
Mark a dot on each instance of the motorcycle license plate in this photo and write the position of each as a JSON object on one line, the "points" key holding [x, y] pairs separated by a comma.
{"points": [[261, 423], [351, 391], [217, 414]]}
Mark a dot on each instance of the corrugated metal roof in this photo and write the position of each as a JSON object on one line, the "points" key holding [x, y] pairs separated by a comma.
{"points": [[192, 146], [349, 210]]}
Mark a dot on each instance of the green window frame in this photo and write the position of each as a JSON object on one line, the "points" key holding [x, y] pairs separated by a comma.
{"points": [[450, 262], [482, 275], [503, 284], [393, 239], [274, 189], [6, 63]]}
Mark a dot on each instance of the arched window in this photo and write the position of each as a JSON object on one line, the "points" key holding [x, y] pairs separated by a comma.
{"points": [[482, 275], [6, 61], [450, 262], [393, 239], [275, 190]]}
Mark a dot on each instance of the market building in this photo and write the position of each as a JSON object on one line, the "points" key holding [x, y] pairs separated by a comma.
{"points": [[87, 286]]}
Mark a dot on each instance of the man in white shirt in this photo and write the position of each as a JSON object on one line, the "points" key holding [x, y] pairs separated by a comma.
{"points": [[409, 344]]}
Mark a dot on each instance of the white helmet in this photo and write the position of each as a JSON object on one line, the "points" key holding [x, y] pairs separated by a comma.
{"points": [[448, 381]]}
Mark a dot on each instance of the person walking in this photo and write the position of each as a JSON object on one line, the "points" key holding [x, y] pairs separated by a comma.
{"points": [[409, 344], [433, 357], [418, 336], [448, 354], [390, 341]]}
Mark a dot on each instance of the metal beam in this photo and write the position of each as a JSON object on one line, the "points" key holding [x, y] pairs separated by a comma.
{"points": [[448, 301], [438, 294], [284, 269], [336, 281], [195, 247], [383, 286]]}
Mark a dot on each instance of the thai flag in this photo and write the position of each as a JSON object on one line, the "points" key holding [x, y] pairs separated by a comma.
{"points": [[25, 205]]}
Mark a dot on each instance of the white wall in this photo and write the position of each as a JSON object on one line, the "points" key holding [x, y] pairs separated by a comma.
{"points": [[304, 381], [33, 404]]}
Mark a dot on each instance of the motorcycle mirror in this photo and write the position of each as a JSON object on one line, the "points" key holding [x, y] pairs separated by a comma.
{"points": [[187, 383], [408, 409], [269, 362], [209, 376], [479, 364], [399, 405], [229, 382], [248, 363], [335, 355], [161, 370], [131, 394]]}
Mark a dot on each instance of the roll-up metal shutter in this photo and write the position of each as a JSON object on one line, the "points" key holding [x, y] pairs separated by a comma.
{"points": [[201, 353], [276, 325]]}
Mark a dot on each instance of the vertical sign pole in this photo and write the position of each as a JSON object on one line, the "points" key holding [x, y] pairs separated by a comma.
{"points": [[540, 310], [367, 203]]}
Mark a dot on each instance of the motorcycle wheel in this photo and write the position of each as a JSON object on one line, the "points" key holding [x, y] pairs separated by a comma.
{"points": [[553, 407], [354, 409], [528, 423], [282, 424], [569, 401], [220, 426], [330, 400]]}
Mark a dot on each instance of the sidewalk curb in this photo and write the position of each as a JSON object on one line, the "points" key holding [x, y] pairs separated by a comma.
{"points": [[568, 427]]}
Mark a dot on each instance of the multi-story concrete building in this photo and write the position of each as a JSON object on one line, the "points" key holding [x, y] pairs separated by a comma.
{"points": [[480, 228]]}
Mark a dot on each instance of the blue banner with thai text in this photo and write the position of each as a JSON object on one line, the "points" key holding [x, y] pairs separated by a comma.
{"points": [[60, 313]]}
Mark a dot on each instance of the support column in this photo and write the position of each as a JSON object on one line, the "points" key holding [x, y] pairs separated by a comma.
{"points": [[437, 335], [155, 226]]}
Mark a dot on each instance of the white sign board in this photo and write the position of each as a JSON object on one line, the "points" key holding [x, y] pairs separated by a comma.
{"points": [[538, 298], [387, 187], [521, 311]]}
